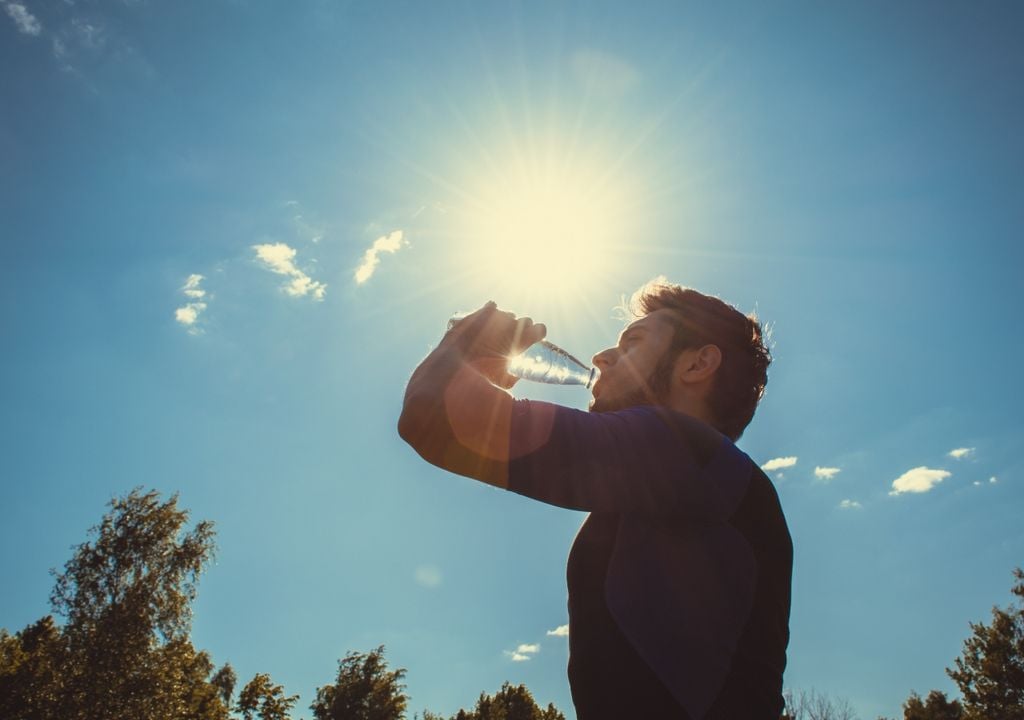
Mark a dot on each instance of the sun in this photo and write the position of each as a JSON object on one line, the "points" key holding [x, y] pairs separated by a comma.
{"points": [[543, 231]]}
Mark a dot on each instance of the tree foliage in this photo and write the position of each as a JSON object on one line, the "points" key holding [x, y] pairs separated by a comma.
{"points": [[30, 670], [263, 700], [990, 672], [124, 650], [511, 702], [364, 690], [225, 680], [139, 574], [814, 705], [935, 707], [126, 596]]}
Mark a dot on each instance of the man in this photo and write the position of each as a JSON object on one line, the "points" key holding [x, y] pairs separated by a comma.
{"points": [[679, 579]]}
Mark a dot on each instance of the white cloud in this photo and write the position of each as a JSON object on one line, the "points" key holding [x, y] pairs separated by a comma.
{"points": [[428, 576], [918, 480], [779, 463], [850, 505], [279, 258], [604, 74], [27, 22], [391, 243], [523, 652], [191, 287], [560, 631], [826, 473], [993, 480], [961, 453], [188, 314]]}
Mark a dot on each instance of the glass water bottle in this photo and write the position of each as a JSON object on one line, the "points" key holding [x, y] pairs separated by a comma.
{"points": [[545, 362]]}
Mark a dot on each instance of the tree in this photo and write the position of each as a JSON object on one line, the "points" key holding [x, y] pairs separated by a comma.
{"points": [[262, 699], [990, 672], [30, 669], [509, 703], [935, 707], [124, 651], [141, 570], [364, 690], [803, 705], [224, 680], [127, 599]]}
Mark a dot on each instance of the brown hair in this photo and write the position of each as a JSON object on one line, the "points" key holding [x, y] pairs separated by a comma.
{"points": [[701, 319]]}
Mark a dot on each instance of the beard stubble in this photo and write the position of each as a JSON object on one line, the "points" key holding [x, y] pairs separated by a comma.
{"points": [[653, 391]]}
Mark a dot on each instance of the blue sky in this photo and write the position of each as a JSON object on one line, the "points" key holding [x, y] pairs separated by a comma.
{"points": [[231, 229]]}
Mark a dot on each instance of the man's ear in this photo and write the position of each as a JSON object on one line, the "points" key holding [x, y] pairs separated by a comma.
{"points": [[699, 364]]}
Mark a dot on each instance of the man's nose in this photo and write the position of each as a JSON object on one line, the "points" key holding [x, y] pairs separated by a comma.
{"points": [[603, 359]]}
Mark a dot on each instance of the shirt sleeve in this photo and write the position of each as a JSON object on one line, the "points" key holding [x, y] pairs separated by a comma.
{"points": [[645, 459]]}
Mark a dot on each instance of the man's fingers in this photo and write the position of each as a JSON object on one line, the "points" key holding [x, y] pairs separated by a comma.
{"points": [[490, 331], [469, 325], [539, 332]]}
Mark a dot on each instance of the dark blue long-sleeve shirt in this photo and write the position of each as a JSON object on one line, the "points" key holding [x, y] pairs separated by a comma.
{"points": [[679, 580]]}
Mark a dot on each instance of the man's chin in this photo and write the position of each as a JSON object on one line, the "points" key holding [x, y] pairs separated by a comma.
{"points": [[606, 404]]}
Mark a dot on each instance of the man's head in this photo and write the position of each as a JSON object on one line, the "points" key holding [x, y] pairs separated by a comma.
{"points": [[687, 351]]}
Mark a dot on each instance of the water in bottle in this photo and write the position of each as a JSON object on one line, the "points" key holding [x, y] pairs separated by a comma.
{"points": [[547, 363]]}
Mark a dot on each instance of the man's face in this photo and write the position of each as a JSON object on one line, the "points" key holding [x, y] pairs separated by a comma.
{"points": [[633, 372]]}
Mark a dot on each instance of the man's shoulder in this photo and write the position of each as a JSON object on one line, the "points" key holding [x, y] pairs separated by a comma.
{"points": [[655, 422]]}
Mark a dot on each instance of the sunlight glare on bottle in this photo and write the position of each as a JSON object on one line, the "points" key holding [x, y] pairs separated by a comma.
{"points": [[543, 362], [547, 363]]}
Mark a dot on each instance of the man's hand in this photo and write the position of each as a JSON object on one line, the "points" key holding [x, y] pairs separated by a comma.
{"points": [[453, 414], [488, 337]]}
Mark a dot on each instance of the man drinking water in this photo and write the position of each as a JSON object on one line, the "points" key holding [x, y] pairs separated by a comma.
{"points": [[679, 578]]}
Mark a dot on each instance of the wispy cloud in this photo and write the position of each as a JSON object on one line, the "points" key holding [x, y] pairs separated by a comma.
{"points": [[303, 227], [779, 463], [826, 473], [961, 453], [428, 576], [191, 287], [279, 258], [188, 314], [850, 505], [90, 34], [78, 38], [604, 74], [560, 631], [27, 23], [991, 481], [523, 652], [390, 243], [918, 480]]}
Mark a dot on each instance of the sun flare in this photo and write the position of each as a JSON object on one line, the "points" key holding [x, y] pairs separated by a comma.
{"points": [[543, 231]]}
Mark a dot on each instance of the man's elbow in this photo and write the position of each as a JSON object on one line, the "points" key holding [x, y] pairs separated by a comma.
{"points": [[416, 423], [406, 425]]}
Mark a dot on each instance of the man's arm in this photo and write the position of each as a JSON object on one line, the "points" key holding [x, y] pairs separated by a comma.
{"points": [[457, 412], [646, 459]]}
